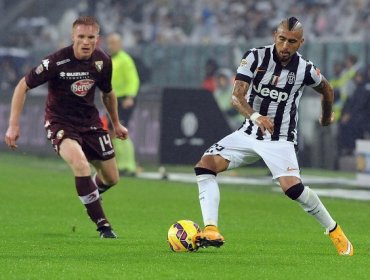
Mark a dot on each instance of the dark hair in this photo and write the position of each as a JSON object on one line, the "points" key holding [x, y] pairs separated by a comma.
{"points": [[292, 21], [86, 20]]}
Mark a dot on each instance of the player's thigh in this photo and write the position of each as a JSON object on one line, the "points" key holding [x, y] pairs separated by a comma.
{"points": [[232, 151], [107, 170], [280, 157], [71, 151]]}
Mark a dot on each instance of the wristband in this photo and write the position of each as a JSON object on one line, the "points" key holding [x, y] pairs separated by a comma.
{"points": [[254, 116]]}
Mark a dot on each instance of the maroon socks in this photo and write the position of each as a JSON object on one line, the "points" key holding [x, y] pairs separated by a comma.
{"points": [[89, 196]]}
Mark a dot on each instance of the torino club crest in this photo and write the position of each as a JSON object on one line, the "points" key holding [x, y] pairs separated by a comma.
{"points": [[99, 65]]}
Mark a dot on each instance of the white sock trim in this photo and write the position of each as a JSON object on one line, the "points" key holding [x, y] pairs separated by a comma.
{"points": [[205, 177], [90, 198]]}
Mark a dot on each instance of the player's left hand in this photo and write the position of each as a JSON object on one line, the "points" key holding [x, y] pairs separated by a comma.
{"points": [[265, 124], [326, 122], [121, 131]]}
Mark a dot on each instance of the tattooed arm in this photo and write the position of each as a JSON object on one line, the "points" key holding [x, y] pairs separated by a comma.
{"points": [[240, 103], [327, 98]]}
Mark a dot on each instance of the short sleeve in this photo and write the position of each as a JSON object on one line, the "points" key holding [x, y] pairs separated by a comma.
{"points": [[245, 71], [105, 84], [39, 75], [312, 77]]}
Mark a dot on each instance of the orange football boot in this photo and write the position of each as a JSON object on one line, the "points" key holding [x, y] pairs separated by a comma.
{"points": [[341, 242], [210, 236]]}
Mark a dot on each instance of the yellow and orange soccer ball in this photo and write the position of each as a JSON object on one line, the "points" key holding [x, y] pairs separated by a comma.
{"points": [[180, 236]]}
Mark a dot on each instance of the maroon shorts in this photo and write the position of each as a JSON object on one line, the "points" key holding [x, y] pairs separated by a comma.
{"points": [[95, 141]]}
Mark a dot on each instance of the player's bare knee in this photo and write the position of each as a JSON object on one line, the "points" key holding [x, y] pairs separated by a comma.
{"points": [[287, 182], [206, 162], [205, 166], [215, 164], [80, 167], [111, 181], [200, 164]]}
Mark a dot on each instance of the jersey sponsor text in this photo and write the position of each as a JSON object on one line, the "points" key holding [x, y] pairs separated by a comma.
{"points": [[82, 87]]}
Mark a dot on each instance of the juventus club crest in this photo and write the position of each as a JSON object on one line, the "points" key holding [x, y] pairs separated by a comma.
{"points": [[291, 78], [99, 65]]}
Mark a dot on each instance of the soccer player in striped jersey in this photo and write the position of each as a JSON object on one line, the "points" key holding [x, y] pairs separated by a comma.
{"points": [[268, 86]]}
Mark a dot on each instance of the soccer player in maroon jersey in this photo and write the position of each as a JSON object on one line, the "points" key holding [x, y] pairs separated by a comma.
{"points": [[72, 121]]}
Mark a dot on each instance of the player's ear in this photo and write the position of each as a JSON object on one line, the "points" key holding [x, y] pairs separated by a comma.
{"points": [[275, 35]]}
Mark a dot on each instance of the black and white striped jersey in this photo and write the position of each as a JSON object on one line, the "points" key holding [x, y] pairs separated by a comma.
{"points": [[275, 90]]}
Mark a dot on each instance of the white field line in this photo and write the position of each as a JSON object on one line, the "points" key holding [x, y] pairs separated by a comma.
{"points": [[308, 180], [263, 180]]}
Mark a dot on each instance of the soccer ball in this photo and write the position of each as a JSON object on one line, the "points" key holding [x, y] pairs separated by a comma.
{"points": [[180, 236]]}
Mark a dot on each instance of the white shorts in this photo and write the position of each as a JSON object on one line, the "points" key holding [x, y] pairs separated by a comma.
{"points": [[240, 149]]}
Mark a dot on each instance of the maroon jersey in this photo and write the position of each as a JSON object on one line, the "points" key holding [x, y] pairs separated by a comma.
{"points": [[71, 86]]}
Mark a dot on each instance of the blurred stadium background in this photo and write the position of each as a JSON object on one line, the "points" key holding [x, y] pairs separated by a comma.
{"points": [[172, 42], [179, 46]]}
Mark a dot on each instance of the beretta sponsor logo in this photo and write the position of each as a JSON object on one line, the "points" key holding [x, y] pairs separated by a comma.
{"points": [[82, 87]]}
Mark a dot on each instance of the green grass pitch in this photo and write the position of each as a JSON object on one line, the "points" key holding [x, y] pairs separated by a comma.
{"points": [[45, 233]]}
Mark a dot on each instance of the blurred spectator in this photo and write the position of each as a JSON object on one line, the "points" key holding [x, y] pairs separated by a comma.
{"points": [[354, 122], [352, 65], [342, 81], [222, 94], [198, 22], [337, 83], [209, 81], [8, 78], [125, 84]]}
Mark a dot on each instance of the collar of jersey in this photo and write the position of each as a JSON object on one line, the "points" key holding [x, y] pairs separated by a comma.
{"points": [[291, 63]]}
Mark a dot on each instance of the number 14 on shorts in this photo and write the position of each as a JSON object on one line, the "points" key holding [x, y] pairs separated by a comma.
{"points": [[104, 142]]}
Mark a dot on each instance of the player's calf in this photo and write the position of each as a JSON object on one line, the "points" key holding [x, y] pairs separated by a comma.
{"points": [[101, 186], [89, 196], [312, 204]]}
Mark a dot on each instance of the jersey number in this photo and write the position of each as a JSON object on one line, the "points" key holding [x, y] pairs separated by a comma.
{"points": [[104, 141], [215, 148]]}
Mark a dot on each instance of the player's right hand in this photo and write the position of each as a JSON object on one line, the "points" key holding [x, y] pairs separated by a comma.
{"points": [[265, 123], [11, 136], [327, 121], [121, 131]]}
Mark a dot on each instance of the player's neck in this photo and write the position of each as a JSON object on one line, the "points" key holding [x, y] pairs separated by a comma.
{"points": [[285, 63], [80, 57]]}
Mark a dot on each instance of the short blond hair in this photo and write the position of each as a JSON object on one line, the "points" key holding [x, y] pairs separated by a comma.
{"points": [[86, 20]]}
